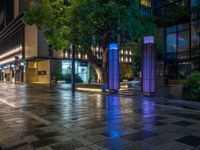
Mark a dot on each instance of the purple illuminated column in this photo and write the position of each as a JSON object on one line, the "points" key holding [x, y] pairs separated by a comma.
{"points": [[113, 67], [148, 67]]}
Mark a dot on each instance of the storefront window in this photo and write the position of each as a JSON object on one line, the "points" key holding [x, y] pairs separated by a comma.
{"points": [[81, 69], [177, 38], [66, 67], [171, 43], [183, 41]]}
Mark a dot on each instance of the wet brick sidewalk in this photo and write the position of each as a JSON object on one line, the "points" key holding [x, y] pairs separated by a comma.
{"points": [[37, 117]]}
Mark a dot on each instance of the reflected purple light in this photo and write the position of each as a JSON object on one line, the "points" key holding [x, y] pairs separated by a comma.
{"points": [[113, 122], [148, 39]]}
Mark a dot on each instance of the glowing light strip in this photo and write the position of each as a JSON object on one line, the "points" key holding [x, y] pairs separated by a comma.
{"points": [[89, 89], [15, 50], [9, 60], [148, 39]]}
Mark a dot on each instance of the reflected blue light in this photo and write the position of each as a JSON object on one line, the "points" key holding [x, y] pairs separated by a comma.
{"points": [[148, 113], [114, 133], [148, 107], [113, 107]]}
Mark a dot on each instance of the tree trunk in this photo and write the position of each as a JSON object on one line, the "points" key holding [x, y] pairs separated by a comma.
{"points": [[99, 67], [104, 62]]}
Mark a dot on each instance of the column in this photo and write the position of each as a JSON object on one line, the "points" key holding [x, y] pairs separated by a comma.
{"points": [[148, 67], [113, 67]]}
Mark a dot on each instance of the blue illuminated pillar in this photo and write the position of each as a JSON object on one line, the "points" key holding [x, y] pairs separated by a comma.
{"points": [[113, 67], [148, 66]]}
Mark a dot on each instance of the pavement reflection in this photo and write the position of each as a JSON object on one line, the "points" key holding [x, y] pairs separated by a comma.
{"points": [[35, 116]]}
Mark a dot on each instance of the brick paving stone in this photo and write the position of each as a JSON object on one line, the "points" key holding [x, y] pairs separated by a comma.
{"points": [[6, 134], [190, 140], [37, 117], [62, 138], [44, 148], [44, 142], [138, 146], [24, 147], [174, 146], [96, 138], [84, 141], [76, 129], [30, 138], [82, 148], [113, 143], [72, 144], [95, 147], [12, 142]]}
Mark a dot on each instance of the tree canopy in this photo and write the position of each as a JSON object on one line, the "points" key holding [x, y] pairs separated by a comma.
{"points": [[87, 22]]}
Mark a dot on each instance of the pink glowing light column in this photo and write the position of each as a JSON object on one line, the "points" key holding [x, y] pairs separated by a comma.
{"points": [[148, 66]]}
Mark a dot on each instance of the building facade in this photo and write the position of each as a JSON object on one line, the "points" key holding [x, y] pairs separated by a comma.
{"points": [[24, 54], [180, 31]]}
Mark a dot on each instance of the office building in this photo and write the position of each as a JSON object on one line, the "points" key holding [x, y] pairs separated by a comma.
{"points": [[179, 30]]}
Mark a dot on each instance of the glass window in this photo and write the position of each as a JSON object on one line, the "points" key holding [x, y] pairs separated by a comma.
{"points": [[182, 27], [66, 67], [171, 29], [171, 43], [183, 41], [193, 2], [195, 33]]}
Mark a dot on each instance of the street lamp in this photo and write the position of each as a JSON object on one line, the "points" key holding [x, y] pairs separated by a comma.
{"points": [[16, 67], [50, 57], [73, 68]]}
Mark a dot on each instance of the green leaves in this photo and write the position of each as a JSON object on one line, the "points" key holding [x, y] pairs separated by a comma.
{"points": [[191, 85], [77, 21]]}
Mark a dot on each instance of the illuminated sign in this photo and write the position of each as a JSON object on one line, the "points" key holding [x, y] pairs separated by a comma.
{"points": [[113, 67]]}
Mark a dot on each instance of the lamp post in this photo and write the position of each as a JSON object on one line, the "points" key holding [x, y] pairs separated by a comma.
{"points": [[50, 57], [73, 51], [16, 67]]}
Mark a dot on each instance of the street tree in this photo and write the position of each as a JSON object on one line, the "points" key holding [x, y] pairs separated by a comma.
{"points": [[89, 24]]}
